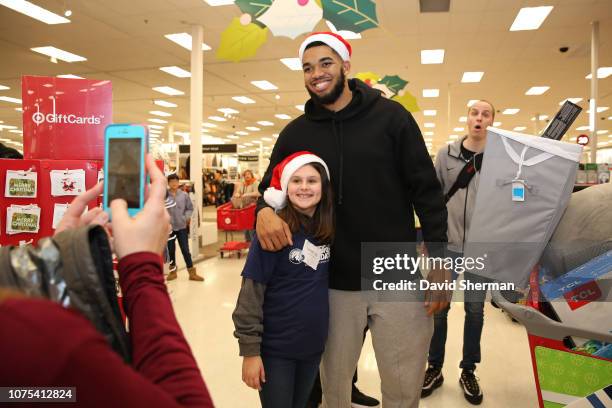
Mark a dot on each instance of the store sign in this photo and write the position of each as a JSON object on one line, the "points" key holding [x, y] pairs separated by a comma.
{"points": [[212, 148], [64, 118], [242, 158], [582, 140]]}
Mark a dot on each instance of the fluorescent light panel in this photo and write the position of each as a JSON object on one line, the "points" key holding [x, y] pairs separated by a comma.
{"points": [[520, 128], [299, 107], [431, 93], [165, 104], [294, 64], [168, 90], [471, 102], [176, 71], [155, 120], [572, 100], [217, 118], [184, 40], [252, 128], [9, 99], [58, 54], [243, 99], [34, 11], [70, 76], [160, 113], [537, 90], [432, 56], [216, 3], [209, 125], [242, 133], [265, 85], [429, 125], [233, 137], [602, 72], [228, 111], [282, 116], [463, 119], [429, 112], [511, 111], [265, 123], [158, 127], [471, 77], [497, 124], [530, 18], [459, 129]]}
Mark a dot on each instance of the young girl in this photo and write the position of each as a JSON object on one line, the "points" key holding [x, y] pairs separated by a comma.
{"points": [[281, 316]]}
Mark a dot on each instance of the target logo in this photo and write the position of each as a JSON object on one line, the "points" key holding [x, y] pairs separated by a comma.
{"points": [[38, 118]]}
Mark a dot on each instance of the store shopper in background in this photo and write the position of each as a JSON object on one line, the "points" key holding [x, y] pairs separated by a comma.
{"points": [[458, 169], [380, 170], [281, 316], [180, 217], [46, 345], [246, 194]]}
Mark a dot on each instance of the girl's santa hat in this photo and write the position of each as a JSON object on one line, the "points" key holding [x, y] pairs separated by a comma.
{"points": [[333, 40], [276, 195]]}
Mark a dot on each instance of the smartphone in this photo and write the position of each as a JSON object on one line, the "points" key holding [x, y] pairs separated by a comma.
{"points": [[125, 146]]}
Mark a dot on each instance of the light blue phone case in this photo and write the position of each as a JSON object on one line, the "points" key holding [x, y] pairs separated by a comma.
{"points": [[126, 131]]}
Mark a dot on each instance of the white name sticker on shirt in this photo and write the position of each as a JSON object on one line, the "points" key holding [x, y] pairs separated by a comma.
{"points": [[312, 254]]}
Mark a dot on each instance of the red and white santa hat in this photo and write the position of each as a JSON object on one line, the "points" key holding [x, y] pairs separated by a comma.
{"points": [[276, 195], [333, 40]]}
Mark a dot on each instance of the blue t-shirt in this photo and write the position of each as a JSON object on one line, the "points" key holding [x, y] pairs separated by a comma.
{"points": [[296, 305]]}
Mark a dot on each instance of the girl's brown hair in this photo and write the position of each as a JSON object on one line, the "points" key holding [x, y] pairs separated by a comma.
{"points": [[321, 225]]}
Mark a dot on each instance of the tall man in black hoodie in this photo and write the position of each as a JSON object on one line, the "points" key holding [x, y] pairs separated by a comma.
{"points": [[380, 171]]}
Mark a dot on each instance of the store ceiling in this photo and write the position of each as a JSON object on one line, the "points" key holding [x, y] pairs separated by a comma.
{"points": [[124, 42]]}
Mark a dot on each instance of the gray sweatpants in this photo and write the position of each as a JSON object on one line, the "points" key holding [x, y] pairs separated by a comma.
{"points": [[401, 332]]}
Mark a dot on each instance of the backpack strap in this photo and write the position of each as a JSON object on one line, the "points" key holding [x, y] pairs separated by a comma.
{"points": [[465, 175]]}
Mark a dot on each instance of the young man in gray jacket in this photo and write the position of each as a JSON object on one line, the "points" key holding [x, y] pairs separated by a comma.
{"points": [[180, 217], [458, 169]]}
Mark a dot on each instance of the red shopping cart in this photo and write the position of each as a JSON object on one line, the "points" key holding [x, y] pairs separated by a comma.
{"points": [[564, 377], [230, 220]]}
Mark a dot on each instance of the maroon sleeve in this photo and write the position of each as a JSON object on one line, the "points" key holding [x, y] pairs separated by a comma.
{"points": [[160, 351]]}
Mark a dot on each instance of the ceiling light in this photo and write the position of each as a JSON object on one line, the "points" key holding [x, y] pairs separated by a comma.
{"points": [[19, 132], [9, 99], [176, 71], [248, 144], [160, 113], [228, 111], [469, 77], [184, 40], [70, 76], [168, 90], [463, 119], [294, 64], [155, 127], [209, 125], [453, 137], [496, 124], [431, 93], [155, 120], [265, 123], [537, 90], [19, 109], [583, 128], [267, 139], [59, 54], [299, 107], [511, 111], [217, 118], [7, 127], [530, 18], [233, 137], [282, 116], [600, 109], [242, 133], [602, 132], [165, 104], [253, 128], [602, 72], [430, 112], [34, 11], [520, 128], [572, 100], [459, 129], [429, 125], [216, 3], [265, 85], [428, 139], [541, 117], [243, 99], [275, 135], [428, 133], [471, 102], [432, 56]]}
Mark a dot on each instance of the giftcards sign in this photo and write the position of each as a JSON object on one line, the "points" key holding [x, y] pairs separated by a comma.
{"points": [[64, 118]]}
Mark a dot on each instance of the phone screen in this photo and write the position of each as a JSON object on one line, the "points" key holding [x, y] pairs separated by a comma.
{"points": [[124, 162]]}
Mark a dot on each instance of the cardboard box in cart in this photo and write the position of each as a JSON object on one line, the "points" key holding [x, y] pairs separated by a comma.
{"points": [[583, 296]]}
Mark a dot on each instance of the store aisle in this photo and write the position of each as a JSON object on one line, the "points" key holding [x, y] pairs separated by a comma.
{"points": [[204, 312]]}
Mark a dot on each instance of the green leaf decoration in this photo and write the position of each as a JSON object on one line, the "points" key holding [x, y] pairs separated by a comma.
{"points": [[351, 15], [369, 77], [241, 41], [408, 101], [394, 83], [254, 7]]}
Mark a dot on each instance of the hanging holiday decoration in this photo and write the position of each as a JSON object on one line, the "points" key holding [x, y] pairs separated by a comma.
{"points": [[240, 41], [393, 87], [351, 15], [394, 83], [408, 101], [290, 18], [254, 8]]}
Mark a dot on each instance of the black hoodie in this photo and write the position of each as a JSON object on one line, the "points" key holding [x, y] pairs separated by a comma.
{"points": [[380, 170]]}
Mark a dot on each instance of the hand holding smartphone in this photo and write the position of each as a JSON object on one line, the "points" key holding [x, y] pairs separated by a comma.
{"points": [[125, 146]]}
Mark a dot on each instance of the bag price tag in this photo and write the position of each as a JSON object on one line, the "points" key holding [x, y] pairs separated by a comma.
{"points": [[67, 182], [312, 254], [518, 190], [20, 184]]}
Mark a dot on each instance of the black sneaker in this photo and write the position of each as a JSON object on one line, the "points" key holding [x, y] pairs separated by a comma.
{"points": [[471, 389], [433, 379], [360, 400], [172, 267]]}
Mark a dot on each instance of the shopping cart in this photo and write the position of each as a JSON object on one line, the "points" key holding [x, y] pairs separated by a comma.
{"points": [[563, 377], [230, 220]]}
